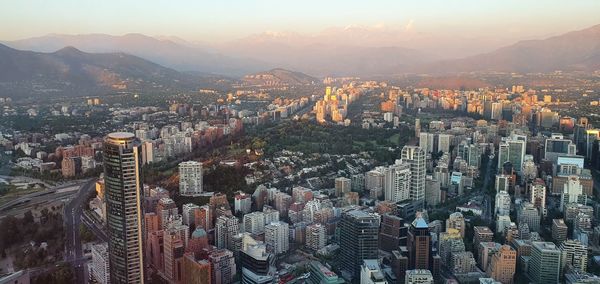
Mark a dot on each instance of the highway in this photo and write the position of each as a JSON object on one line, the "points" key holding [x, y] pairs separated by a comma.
{"points": [[72, 218]]}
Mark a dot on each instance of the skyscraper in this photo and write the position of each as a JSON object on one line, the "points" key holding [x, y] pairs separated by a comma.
{"points": [[190, 178], [545, 264], [123, 189], [415, 157], [358, 240], [419, 244], [277, 237]]}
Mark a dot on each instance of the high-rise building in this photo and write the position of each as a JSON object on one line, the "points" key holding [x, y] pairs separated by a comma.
{"points": [[449, 243], [188, 213], [444, 143], [223, 266], [572, 192], [277, 237], [463, 262], [99, 265], [481, 234], [342, 185], [456, 221], [254, 223], [397, 182], [502, 204], [502, 183], [190, 178], [538, 195], [503, 265], [173, 256], [124, 192], [242, 203], [196, 271], [166, 209], [545, 264], [511, 149], [418, 276], [559, 231], [258, 266], [530, 215], [419, 244], [316, 236], [433, 191], [358, 240], [574, 254], [416, 158], [391, 233], [225, 228], [319, 274], [485, 252]]}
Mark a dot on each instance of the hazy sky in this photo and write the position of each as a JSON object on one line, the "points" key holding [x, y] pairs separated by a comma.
{"points": [[228, 19]]}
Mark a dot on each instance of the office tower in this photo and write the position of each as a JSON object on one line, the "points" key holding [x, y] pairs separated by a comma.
{"points": [[155, 247], [282, 203], [502, 204], [572, 192], [242, 203], [559, 231], [358, 240], [556, 146], [418, 276], [316, 237], [225, 229], [481, 234], [397, 182], [419, 244], [544, 264], [463, 262], [258, 266], [124, 192], [166, 209], [511, 149], [371, 273], [188, 213], [502, 183], [485, 251], [173, 256], [342, 185], [277, 237], [415, 157], [99, 266], [538, 196], [190, 178], [574, 255], [502, 221], [456, 221], [223, 266], [391, 233], [196, 271], [503, 265], [530, 215]]}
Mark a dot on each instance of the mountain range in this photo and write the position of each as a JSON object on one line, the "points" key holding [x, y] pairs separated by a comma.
{"points": [[70, 71], [96, 63]]}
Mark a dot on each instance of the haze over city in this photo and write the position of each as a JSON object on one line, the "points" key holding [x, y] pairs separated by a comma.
{"points": [[299, 142]]}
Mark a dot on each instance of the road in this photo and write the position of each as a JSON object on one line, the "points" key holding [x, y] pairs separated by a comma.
{"points": [[72, 218], [487, 212]]}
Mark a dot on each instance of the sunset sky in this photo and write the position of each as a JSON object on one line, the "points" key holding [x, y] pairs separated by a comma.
{"points": [[226, 20]]}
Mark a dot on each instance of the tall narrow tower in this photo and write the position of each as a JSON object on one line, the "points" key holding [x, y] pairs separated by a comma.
{"points": [[123, 187]]}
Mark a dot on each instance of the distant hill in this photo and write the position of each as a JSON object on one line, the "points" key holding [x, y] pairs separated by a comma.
{"points": [[70, 71], [279, 77], [577, 50], [170, 52]]}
